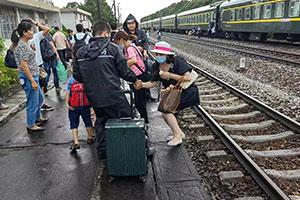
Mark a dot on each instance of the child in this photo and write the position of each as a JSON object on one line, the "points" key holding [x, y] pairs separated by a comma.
{"points": [[78, 105]]}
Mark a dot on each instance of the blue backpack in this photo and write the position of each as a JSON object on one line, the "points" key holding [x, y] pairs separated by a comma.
{"points": [[46, 50]]}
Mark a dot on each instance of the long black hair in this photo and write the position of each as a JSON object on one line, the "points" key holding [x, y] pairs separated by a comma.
{"points": [[19, 32]]}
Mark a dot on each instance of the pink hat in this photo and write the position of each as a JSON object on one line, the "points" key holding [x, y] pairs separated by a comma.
{"points": [[163, 48]]}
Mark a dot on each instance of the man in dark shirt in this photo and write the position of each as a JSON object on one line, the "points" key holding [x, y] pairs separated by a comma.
{"points": [[101, 65]]}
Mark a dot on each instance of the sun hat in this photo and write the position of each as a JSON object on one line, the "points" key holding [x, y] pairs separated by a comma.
{"points": [[163, 48]]}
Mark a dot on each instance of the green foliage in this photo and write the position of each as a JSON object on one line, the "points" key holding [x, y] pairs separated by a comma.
{"points": [[179, 7], [72, 5], [91, 6], [2, 46], [8, 77]]}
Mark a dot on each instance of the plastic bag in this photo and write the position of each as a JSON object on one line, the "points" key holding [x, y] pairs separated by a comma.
{"points": [[61, 72]]}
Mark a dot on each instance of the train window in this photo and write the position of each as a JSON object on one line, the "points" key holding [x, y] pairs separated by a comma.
{"points": [[247, 13], [256, 12], [279, 9], [267, 11], [208, 17], [232, 15], [239, 14], [204, 18], [294, 8]]}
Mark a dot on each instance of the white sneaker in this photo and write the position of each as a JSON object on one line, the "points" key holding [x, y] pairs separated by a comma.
{"points": [[170, 137], [182, 135], [175, 142]]}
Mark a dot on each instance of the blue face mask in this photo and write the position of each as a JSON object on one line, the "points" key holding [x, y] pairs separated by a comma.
{"points": [[161, 59]]}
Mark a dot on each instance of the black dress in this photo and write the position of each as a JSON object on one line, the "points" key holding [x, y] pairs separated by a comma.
{"points": [[189, 96]]}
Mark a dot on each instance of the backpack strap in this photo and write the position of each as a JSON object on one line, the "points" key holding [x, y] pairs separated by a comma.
{"points": [[84, 37], [140, 54]]}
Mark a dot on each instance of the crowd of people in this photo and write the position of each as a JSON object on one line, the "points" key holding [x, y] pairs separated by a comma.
{"points": [[99, 62]]}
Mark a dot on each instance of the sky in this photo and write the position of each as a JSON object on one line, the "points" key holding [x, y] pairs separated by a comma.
{"points": [[139, 8]]}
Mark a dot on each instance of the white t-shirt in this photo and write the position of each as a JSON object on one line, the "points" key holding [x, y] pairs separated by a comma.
{"points": [[37, 38], [79, 36]]}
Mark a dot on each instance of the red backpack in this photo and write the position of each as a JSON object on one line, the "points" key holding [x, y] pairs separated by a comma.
{"points": [[77, 95]]}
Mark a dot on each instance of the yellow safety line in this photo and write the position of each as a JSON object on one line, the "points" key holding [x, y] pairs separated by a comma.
{"points": [[264, 21]]}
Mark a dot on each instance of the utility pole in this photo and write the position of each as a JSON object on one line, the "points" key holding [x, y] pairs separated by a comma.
{"points": [[119, 15], [99, 7], [115, 9]]}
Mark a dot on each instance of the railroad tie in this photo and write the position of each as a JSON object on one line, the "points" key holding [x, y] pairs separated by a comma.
{"points": [[218, 102], [226, 109], [285, 174], [211, 96], [263, 138], [217, 89], [236, 116], [274, 153], [248, 127], [202, 82]]}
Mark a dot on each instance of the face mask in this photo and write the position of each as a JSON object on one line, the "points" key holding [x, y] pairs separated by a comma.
{"points": [[161, 59]]}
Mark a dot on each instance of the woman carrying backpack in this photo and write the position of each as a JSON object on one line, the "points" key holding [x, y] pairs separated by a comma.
{"points": [[78, 105], [135, 62]]}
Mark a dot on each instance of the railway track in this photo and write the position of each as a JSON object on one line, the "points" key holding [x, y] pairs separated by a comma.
{"points": [[274, 55], [264, 141]]}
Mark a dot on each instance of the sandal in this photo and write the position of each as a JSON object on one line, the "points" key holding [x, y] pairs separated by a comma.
{"points": [[74, 147], [42, 120], [35, 129], [91, 140]]}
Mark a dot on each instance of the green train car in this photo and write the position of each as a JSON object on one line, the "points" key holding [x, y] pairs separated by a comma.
{"points": [[240, 19], [258, 20]]}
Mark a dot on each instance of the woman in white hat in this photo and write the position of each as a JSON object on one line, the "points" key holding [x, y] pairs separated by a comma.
{"points": [[170, 69]]}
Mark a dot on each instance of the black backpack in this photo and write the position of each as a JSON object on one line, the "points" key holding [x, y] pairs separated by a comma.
{"points": [[78, 44], [10, 61], [46, 50]]}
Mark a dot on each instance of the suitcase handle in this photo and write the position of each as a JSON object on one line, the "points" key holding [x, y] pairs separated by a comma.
{"points": [[131, 104]]}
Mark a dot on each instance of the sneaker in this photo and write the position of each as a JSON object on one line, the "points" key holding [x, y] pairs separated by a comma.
{"points": [[3, 106], [175, 142], [182, 135], [46, 107]]}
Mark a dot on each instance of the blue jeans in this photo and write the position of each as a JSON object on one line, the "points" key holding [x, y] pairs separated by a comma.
{"points": [[34, 98], [48, 65]]}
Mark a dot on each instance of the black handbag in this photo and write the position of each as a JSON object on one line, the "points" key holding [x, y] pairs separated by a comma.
{"points": [[10, 61]]}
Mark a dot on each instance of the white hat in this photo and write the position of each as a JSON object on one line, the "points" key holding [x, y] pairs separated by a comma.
{"points": [[163, 48]]}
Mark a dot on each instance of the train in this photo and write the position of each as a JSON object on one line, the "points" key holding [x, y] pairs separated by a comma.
{"points": [[240, 19]]}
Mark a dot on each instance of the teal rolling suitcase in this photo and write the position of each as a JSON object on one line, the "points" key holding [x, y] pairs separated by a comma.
{"points": [[126, 148]]}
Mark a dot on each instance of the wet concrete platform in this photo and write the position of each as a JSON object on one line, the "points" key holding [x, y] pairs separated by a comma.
{"points": [[40, 166]]}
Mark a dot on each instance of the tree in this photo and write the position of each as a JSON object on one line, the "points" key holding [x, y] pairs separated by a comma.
{"points": [[72, 5], [91, 6]]}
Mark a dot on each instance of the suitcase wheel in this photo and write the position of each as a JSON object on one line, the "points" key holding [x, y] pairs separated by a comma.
{"points": [[111, 179], [143, 179]]}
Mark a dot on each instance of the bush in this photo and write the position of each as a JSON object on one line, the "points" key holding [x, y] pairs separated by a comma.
{"points": [[8, 77]]}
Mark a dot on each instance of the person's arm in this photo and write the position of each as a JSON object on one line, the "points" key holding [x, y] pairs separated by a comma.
{"points": [[45, 29], [67, 98], [132, 60], [54, 49], [25, 67], [149, 84], [180, 78]]}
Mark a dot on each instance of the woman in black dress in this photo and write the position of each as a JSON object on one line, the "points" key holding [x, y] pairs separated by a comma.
{"points": [[170, 69]]}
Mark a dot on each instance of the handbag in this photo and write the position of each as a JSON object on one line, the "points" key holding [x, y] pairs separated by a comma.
{"points": [[10, 61], [42, 73], [61, 72], [170, 99], [187, 84]]}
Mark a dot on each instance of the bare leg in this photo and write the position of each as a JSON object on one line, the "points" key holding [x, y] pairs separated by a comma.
{"points": [[90, 132], [75, 136], [173, 124]]}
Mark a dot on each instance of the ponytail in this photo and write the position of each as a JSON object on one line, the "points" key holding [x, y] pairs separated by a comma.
{"points": [[15, 38], [123, 35]]}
